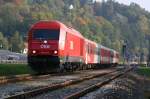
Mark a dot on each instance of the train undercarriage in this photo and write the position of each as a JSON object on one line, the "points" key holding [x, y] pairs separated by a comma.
{"points": [[49, 64]]}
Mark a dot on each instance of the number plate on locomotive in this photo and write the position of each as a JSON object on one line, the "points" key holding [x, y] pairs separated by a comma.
{"points": [[44, 46]]}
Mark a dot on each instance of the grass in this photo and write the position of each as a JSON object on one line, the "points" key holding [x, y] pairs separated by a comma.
{"points": [[14, 69], [144, 71]]}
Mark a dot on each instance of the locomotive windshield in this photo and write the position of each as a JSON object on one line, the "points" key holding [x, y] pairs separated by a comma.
{"points": [[46, 34]]}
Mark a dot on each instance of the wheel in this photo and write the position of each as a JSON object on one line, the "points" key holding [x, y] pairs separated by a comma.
{"points": [[62, 68]]}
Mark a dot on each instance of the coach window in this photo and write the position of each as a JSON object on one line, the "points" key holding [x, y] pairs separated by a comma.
{"points": [[88, 49], [98, 51], [111, 54], [92, 50]]}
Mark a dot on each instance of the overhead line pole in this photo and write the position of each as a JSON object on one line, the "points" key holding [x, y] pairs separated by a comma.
{"points": [[148, 61]]}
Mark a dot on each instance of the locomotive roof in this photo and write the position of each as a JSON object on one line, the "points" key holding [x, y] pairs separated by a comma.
{"points": [[60, 25], [73, 31], [47, 22], [90, 41]]}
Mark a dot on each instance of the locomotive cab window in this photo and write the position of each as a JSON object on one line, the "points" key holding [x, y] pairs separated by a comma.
{"points": [[45, 34]]}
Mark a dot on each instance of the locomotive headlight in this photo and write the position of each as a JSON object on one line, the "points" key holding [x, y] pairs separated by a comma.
{"points": [[45, 41], [33, 51], [55, 52]]}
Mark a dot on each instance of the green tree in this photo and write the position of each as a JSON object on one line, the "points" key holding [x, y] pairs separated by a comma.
{"points": [[144, 24], [3, 42], [17, 43]]}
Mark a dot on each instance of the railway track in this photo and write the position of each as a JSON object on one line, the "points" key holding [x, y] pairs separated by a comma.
{"points": [[94, 87], [23, 77], [26, 77], [59, 86], [78, 90]]}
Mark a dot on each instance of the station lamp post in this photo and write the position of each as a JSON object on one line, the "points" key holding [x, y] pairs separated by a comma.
{"points": [[71, 8]]}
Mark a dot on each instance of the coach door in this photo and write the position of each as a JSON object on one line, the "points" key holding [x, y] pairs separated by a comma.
{"points": [[86, 53]]}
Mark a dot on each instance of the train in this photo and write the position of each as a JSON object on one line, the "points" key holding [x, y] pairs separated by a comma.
{"points": [[53, 46]]}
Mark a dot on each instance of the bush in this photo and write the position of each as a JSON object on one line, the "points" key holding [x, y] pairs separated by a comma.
{"points": [[14, 69]]}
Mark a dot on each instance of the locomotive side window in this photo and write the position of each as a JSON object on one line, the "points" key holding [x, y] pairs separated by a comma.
{"points": [[45, 34]]}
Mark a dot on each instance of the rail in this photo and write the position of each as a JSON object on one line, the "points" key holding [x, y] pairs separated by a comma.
{"points": [[79, 94], [53, 87]]}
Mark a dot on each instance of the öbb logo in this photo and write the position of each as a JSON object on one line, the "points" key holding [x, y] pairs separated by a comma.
{"points": [[44, 46]]}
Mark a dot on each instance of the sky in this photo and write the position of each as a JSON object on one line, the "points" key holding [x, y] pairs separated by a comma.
{"points": [[143, 3]]}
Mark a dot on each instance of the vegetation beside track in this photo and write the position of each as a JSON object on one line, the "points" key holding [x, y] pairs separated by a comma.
{"points": [[145, 71], [14, 69]]}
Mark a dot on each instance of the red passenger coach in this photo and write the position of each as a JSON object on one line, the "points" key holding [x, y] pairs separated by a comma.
{"points": [[53, 46], [105, 55], [89, 53]]}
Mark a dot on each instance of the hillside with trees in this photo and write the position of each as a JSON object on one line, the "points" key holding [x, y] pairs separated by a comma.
{"points": [[108, 23]]}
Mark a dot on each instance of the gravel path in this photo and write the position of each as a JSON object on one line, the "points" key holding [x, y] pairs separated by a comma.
{"points": [[19, 87]]}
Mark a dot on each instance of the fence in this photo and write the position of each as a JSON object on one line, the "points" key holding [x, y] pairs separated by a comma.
{"points": [[13, 61]]}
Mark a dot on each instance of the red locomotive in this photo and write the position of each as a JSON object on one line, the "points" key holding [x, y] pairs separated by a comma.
{"points": [[54, 46]]}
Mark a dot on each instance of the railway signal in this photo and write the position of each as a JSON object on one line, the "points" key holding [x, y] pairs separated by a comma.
{"points": [[124, 47]]}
